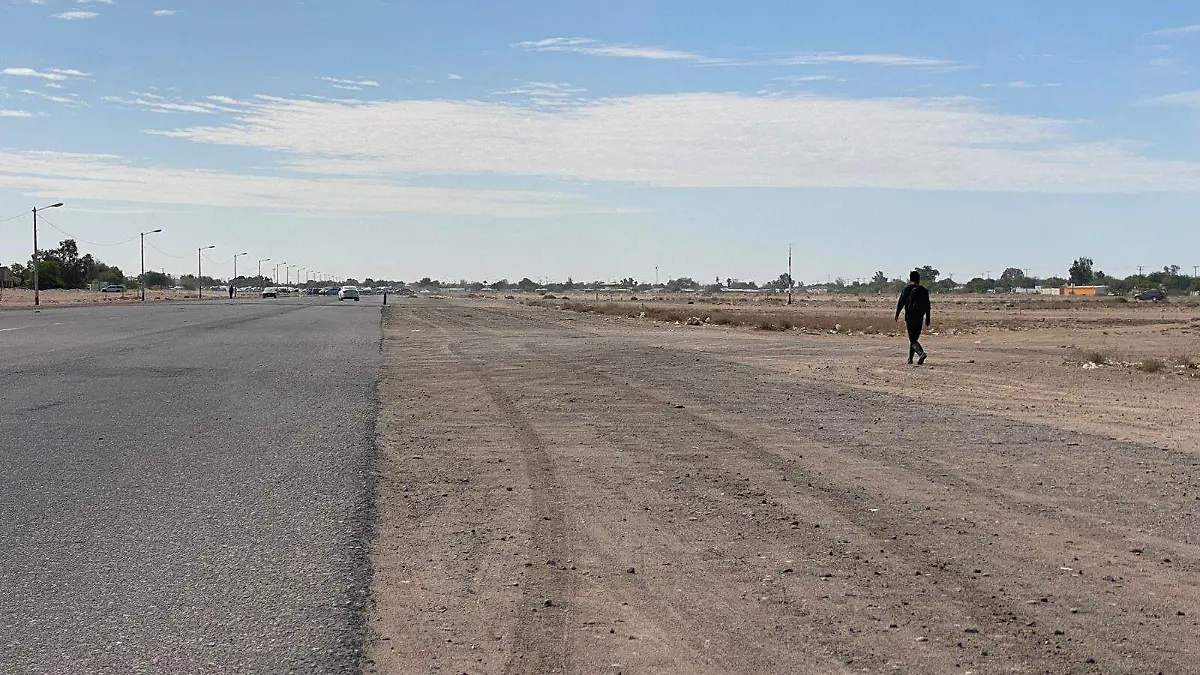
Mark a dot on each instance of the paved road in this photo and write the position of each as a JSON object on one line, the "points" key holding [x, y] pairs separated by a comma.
{"points": [[186, 488]]}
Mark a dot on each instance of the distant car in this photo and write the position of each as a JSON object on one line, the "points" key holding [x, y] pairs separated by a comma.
{"points": [[332, 291], [348, 293], [113, 288], [407, 292], [1151, 296], [270, 293], [313, 291], [366, 291]]}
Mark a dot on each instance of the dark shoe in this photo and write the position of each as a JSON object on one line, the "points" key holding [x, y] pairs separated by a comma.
{"points": [[921, 361]]}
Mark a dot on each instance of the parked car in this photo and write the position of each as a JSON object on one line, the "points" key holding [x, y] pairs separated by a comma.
{"points": [[348, 293], [1151, 296], [270, 292], [113, 288]]}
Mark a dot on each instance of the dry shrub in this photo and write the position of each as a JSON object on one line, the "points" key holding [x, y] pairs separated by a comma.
{"points": [[1152, 365], [1095, 356], [1187, 362]]}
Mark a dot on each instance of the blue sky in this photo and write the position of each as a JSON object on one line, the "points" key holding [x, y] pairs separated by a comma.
{"points": [[486, 140]]}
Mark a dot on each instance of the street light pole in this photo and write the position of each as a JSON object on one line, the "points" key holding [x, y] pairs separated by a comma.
{"points": [[260, 277], [275, 278], [200, 271], [37, 298], [142, 279], [231, 279]]}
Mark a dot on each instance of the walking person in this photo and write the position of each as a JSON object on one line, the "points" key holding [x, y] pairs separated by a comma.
{"points": [[914, 302], [231, 290]]}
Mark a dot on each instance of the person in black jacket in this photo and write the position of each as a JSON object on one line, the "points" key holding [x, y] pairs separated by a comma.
{"points": [[914, 302]]}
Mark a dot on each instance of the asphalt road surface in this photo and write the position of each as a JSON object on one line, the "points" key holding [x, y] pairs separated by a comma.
{"points": [[186, 488]]}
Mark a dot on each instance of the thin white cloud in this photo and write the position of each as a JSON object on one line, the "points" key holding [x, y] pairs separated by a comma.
{"points": [[53, 85], [14, 113], [1185, 98], [1020, 84], [545, 93], [350, 83], [164, 12], [592, 47], [1176, 32], [51, 75], [453, 76], [155, 103], [595, 48], [76, 15], [48, 97], [107, 178], [888, 60], [701, 140], [800, 79]]}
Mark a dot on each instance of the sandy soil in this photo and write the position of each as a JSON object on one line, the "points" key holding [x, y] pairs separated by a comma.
{"points": [[577, 493], [20, 298]]}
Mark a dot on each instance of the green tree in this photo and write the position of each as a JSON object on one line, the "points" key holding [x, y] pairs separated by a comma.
{"points": [[160, 280], [1013, 277], [49, 274], [929, 274], [501, 285], [1081, 272], [879, 279], [527, 285]]}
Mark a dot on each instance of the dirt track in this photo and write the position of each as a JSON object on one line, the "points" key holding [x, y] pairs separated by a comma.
{"points": [[569, 494]]}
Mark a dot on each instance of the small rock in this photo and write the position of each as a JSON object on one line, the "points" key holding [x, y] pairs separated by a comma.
{"points": [[632, 570]]}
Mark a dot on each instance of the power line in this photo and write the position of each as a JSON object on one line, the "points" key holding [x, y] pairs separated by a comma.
{"points": [[43, 219], [176, 257], [19, 215]]}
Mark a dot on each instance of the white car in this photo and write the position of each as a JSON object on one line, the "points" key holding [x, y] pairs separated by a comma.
{"points": [[348, 293], [270, 293]]}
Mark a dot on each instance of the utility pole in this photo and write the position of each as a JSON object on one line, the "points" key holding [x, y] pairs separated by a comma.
{"points": [[656, 275], [235, 257], [260, 277], [1140, 270], [142, 279], [37, 298], [791, 281], [200, 271]]}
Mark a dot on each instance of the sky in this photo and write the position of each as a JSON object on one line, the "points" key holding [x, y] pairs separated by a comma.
{"points": [[601, 140]]}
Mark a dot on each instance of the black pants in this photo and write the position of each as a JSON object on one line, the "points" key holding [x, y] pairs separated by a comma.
{"points": [[914, 340]]}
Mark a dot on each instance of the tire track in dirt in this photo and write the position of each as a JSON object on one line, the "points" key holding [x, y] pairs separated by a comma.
{"points": [[934, 517], [1013, 611], [540, 633]]}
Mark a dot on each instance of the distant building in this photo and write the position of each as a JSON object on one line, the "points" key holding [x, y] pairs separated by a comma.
{"points": [[1085, 290], [1049, 291]]}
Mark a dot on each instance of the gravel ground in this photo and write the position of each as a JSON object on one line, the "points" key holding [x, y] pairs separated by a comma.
{"points": [[578, 494], [186, 489]]}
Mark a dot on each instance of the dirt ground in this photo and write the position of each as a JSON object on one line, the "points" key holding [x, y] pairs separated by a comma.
{"points": [[565, 492], [21, 298]]}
